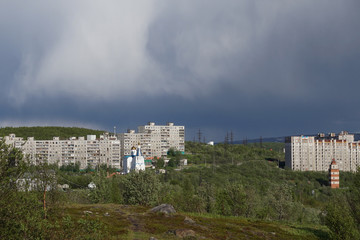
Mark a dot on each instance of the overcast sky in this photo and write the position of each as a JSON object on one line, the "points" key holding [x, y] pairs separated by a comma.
{"points": [[258, 68]]}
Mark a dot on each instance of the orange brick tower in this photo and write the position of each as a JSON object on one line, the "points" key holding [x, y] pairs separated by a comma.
{"points": [[334, 175]]}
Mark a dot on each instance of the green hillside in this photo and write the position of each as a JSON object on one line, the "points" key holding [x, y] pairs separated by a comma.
{"points": [[115, 221], [229, 191], [47, 133], [198, 153]]}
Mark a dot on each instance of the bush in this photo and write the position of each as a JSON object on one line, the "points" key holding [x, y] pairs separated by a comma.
{"points": [[141, 188]]}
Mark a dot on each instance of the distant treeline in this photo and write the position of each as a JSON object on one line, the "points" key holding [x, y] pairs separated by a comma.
{"points": [[47, 133], [200, 153]]}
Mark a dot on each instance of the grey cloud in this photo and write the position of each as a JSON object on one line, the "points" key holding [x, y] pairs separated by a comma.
{"points": [[208, 63], [156, 47]]}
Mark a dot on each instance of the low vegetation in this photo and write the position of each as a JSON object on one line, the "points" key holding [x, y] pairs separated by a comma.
{"points": [[229, 192]]}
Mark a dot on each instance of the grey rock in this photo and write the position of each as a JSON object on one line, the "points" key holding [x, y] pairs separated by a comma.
{"points": [[88, 212], [185, 233], [189, 220], [164, 208]]}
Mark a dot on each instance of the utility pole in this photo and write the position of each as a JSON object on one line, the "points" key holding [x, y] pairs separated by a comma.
{"points": [[226, 141], [199, 135]]}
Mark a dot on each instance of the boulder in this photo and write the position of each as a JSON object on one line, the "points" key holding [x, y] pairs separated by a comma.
{"points": [[182, 233], [189, 220], [164, 208]]}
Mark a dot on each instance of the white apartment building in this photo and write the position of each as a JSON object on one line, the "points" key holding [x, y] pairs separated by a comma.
{"points": [[155, 140], [315, 153], [89, 151]]}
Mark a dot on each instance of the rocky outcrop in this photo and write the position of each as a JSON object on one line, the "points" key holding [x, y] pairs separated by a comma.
{"points": [[189, 220], [182, 233], [164, 208]]}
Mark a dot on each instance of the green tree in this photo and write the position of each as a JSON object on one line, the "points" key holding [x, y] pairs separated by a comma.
{"points": [[160, 163], [21, 196], [171, 163], [230, 200], [340, 221], [141, 188], [281, 201]]}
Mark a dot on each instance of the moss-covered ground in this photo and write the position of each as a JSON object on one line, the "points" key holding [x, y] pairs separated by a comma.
{"points": [[136, 222]]}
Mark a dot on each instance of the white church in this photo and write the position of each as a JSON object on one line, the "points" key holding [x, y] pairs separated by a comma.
{"points": [[135, 161]]}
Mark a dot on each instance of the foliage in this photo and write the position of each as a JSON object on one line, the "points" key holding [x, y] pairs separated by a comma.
{"points": [[30, 202], [47, 133], [340, 221], [199, 153], [27, 195], [141, 188], [175, 157], [77, 229], [281, 201], [230, 200], [226, 180], [160, 163], [254, 188], [73, 179], [171, 163], [137, 222], [342, 213], [71, 167]]}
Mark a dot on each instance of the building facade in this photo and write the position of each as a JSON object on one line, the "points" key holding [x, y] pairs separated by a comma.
{"points": [[334, 175], [315, 153], [155, 140], [87, 152], [135, 162]]}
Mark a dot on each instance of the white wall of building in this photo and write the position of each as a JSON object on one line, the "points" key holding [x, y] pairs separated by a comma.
{"points": [[92, 151], [310, 153], [155, 140]]}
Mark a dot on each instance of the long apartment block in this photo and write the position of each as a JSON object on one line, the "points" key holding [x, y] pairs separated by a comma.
{"points": [[155, 140], [315, 153], [88, 152]]}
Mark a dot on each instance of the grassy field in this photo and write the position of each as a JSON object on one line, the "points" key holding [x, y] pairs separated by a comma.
{"points": [[136, 222]]}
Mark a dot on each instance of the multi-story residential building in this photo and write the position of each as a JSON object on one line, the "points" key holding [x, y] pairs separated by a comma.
{"points": [[334, 175], [155, 140], [92, 151], [315, 153]]}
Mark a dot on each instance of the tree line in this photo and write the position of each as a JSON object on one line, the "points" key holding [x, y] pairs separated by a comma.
{"points": [[250, 188], [47, 133]]}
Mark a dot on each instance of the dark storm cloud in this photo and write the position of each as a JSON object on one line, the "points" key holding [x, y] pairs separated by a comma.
{"points": [[254, 67]]}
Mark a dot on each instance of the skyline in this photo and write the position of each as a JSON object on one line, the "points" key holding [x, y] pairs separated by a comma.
{"points": [[254, 68]]}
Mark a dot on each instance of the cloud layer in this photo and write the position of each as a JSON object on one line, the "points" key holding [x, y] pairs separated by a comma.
{"points": [[245, 59]]}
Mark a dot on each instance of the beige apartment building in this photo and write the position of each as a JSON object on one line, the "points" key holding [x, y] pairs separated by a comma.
{"points": [[315, 153], [155, 140], [89, 151]]}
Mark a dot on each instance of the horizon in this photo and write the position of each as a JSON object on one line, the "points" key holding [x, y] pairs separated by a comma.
{"points": [[235, 140]]}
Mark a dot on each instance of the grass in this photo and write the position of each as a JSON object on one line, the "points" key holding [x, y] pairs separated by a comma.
{"points": [[136, 222]]}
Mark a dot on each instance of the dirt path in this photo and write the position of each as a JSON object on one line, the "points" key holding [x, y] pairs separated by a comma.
{"points": [[136, 225]]}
